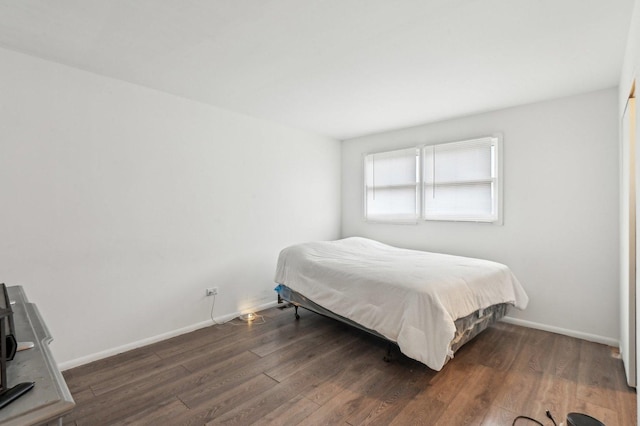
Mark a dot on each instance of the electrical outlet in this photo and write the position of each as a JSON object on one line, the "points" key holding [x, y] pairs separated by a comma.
{"points": [[211, 291]]}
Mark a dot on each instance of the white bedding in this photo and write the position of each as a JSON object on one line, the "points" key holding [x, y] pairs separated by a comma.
{"points": [[410, 297]]}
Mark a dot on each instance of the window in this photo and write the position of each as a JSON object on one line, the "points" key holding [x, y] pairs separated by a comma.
{"points": [[391, 186], [458, 181], [461, 181]]}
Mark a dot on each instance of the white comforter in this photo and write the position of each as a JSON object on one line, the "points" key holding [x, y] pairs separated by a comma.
{"points": [[410, 297]]}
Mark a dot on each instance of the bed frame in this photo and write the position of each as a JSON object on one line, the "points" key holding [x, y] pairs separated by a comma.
{"points": [[466, 328]]}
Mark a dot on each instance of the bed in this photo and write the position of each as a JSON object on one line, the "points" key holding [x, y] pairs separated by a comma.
{"points": [[429, 304]]}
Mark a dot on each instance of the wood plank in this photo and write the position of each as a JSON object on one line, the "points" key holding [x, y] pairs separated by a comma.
{"points": [[192, 397], [474, 400], [121, 366], [533, 358], [127, 400], [227, 363], [554, 394], [381, 400], [450, 381], [420, 411], [345, 373], [396, 397], [497, 415], [221, 334], [516, 392], [155, 414], [356, 394], [340, 342], [253, 409], [565, 357], [201, 357], [500, 347], [625, 407], [222, 400], [317, 371], [216, 392], [173, 381], [290, 413], [595, 380]]}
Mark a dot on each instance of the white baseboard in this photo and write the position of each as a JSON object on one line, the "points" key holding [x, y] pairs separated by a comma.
{"points": [[164, 336], [571, 333], [224, 318]]}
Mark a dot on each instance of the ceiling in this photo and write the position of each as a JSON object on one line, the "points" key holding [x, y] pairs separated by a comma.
{"points": [[341, 68]]}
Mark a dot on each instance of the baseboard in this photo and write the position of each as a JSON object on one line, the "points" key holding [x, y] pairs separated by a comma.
{"points": [[164, 336], [571, 333], [224, 318]]}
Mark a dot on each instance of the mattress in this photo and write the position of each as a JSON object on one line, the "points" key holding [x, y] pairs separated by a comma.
{"points": [[410, 297]]}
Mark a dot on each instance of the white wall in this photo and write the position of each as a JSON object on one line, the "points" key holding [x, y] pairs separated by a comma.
{"points": [[120, 204], [560, 232]]}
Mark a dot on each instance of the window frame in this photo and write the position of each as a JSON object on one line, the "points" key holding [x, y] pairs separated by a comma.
{"points": [[496, 181], [418, 189], [497, 186]]}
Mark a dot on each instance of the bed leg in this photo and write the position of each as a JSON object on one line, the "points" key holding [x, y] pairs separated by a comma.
{"points": [[297, 316], [388, 357]]}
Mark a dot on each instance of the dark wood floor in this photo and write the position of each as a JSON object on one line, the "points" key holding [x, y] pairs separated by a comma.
{"points": [[317, 371]]}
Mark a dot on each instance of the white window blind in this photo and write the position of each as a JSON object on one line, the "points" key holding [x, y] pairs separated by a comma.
{"points": [[391, 185], [460, 181]]}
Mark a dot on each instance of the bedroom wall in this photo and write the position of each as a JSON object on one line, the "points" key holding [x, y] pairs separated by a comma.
{"points": [[560, 232], [121, 204]]}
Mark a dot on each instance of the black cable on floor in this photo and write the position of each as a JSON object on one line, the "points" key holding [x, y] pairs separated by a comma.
{"points": [[525, 418], [548, 413]]}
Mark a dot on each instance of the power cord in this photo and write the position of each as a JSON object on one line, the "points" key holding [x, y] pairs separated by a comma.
{"points": [[526, 418], [213, 304], [548, 413], [255, 319]]}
